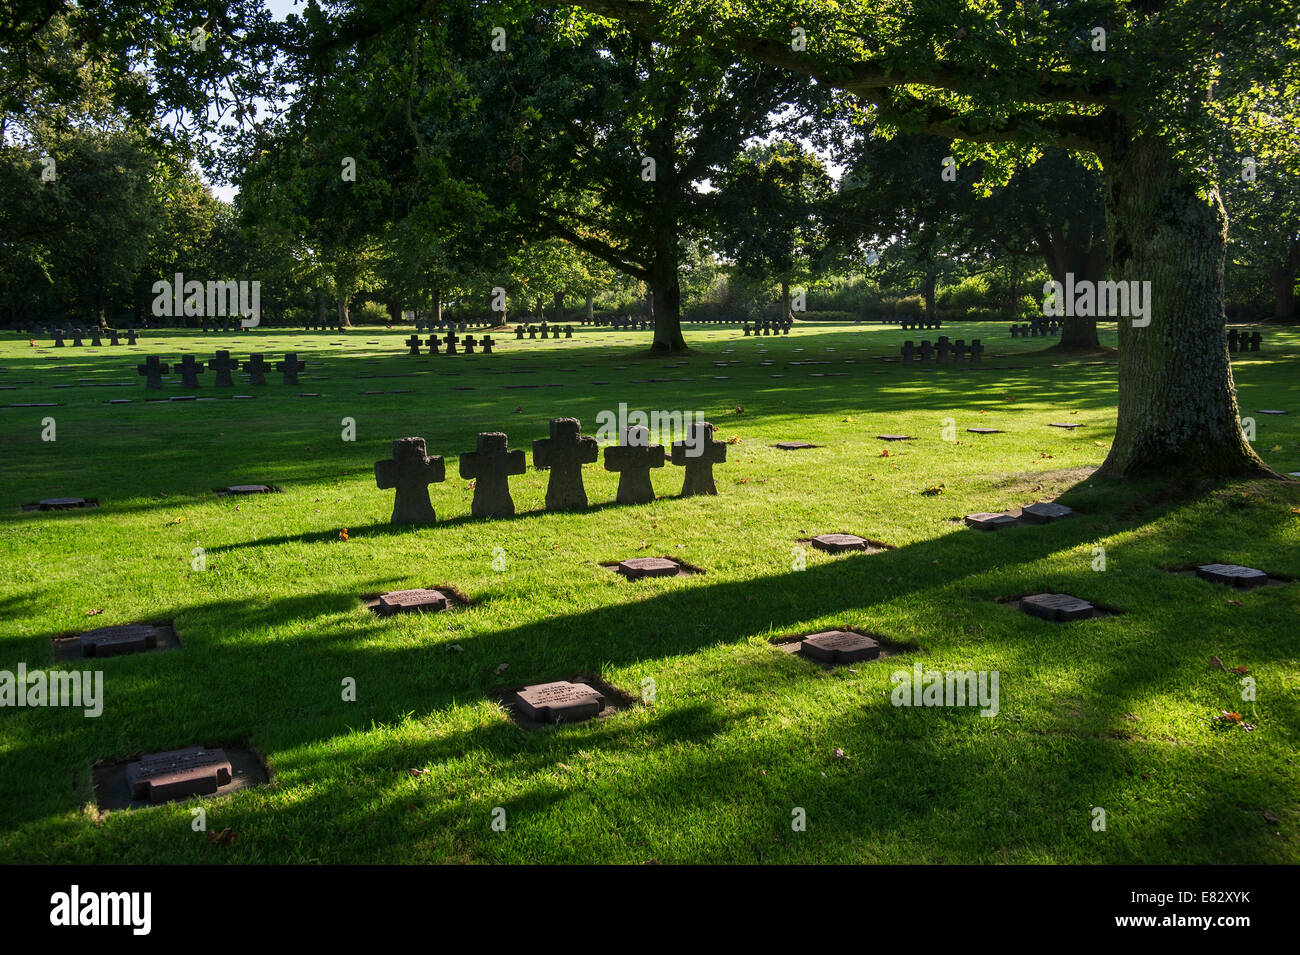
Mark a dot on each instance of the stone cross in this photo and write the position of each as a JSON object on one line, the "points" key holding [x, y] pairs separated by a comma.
{"points": [[94, 338], [927, 351], [433, 343], [555, 331], [76, 338], [256, 368], [410, 470], [112, 338], [976, 351], [290, 367], [909, 351], [632, 459], [532, 332], [490, 467], [486, 344], [414, 344], [153, 372], [58, 339], [130, 336], [519, 332], [698, 458], [941, 350], [223, 366], [450, 340], [564, 453], [958, 352], [190, 371], [469, 344]]}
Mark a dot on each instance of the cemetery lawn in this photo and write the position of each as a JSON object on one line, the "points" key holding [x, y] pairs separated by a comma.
{"points": [[1116, 713]]}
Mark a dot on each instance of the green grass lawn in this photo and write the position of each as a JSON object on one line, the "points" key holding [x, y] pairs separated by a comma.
{"points": [[1115, 713]]}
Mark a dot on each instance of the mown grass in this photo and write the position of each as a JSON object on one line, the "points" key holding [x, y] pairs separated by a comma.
{"points": [[1113, 713]]}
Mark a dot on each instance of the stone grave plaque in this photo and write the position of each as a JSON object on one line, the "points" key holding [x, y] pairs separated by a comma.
{"points": [[1059, 607], [248, 489], [1044, 512], [1233, 574], [836, 543], [839, 646], [986, 521], [894, 437], [559, 702], [637, 567], [1270, 411], [1063, 424], [116, 641], [793, 445], [406, 601], [983, 430], [60, 503], [177, 773]]}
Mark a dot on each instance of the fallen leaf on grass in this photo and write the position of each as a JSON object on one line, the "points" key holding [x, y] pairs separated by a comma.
{"points": [[501, 668], [419, 772], [1271, 817], [94, 613], [223, 838], [1216, 663]]}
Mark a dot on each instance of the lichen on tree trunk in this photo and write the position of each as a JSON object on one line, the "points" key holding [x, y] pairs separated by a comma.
{"points": [[1178, 414]]}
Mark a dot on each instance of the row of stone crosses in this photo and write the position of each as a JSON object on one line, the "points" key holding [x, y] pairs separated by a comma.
{"points": [[916, 324], [943, 351], [411, 469], [449, 342], [1038, 328], [189, 368], [779, 326], [94, 334], [532, 330], [1242, 342]]}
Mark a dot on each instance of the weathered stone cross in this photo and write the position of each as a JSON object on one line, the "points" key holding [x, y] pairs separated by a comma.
{"points": [[190, 371], [223, 366], [564, 453], [290, 367], [699, 462], [411, 470], [490, 467], [414, 344], [632, 459], [153, 372], [256, 368]]}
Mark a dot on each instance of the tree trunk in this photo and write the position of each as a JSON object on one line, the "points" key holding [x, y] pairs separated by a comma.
{"points": [[435, 301], [557, 307], [1178, 414], [1283, 280], [320, 307], [591, 308], [785, 302], [343, 312], [1065, 253], [931, 280], [667, 304]]}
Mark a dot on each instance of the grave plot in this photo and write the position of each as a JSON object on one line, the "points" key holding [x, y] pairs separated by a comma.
{"points": [[988, 521], [1234, 575], [794, 445], [1042, 512], [149, 779], [840, 646], [435, 599], [839, 543], [243, 489], [637, 568], [61, 504], [1058, 608], [115, 641], [894, 437], [572, 699], [984, 430]]}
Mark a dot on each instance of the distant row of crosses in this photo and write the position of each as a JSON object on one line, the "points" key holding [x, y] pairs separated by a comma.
{"points": [[411, 469], [189, 368], [449, 341]]}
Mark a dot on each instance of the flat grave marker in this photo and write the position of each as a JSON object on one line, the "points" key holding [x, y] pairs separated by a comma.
{"points": [[559, 702], [987, 521], [1234, 574], [1060, 608], [1044, 512], [839, 646]]}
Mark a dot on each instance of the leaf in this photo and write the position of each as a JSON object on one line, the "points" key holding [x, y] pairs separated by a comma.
{"points": [[1216, 663]]}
